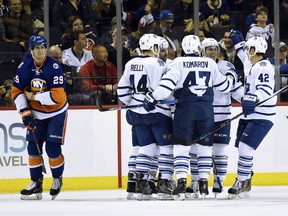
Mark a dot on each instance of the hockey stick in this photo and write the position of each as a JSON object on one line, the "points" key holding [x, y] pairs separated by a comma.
{"points": [[235, 117], [217, 175], [103, 109], [38, 149]]}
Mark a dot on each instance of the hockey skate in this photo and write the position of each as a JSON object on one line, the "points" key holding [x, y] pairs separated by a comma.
{"points": [[165, 188], [33, 191], [217, 187], [179, 192], [203, 187], [56, 187], [235, 190], [131, 185], [192, 191], [143, 189]]}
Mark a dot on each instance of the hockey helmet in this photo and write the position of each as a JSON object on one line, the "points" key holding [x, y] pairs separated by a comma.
{"points": [[148, 42], [191, 44], [37, 40], [209, 42], [260, 45]]}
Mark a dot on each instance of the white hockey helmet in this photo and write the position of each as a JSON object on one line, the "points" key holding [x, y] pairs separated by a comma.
{"points": [[163, 44], [148, 42], [260, 45], [209, 42], [191, 44]]}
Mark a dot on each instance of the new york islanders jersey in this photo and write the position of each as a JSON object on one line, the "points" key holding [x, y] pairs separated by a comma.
{"points": [[141, 75], [222, 101], [194, 73], [47, 82]]}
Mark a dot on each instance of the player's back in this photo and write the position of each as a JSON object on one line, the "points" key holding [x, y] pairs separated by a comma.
{"points": [[141, 75]]}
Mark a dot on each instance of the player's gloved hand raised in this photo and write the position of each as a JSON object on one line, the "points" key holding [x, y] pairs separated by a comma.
{"points": [[237, 39], [249, 102], [149, 102], [28, 118]]}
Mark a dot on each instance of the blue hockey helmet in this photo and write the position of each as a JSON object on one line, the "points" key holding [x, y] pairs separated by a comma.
{"points": [[37, 40]]}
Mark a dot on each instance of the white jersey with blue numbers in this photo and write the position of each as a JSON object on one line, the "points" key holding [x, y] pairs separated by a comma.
{"points": [[222, 101], [260, 81], [141, 75], [193, 72]]}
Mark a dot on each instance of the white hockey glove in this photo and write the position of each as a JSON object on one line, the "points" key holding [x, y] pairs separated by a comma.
{"points": [[233, 75]]}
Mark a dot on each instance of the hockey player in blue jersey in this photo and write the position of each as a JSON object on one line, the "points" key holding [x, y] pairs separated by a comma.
{"points": [[191, 80], [39, 95], [222, 112], [141, 75], [256, 122]]}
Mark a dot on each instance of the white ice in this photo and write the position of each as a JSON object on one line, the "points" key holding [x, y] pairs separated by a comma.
{"points": [[263, 201]]}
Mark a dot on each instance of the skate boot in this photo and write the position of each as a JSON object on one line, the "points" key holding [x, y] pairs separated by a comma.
{"points": [[179, 192], [143, 189], [217, 187], [131, 186], [56, 187], [203, 187], [247, 186], [192, 191], [33, 191], [235, 190], [165, 189]]}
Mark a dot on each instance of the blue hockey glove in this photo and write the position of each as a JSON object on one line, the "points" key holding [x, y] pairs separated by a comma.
{"points": [[28, 118], [149, 102], [237, 39], [249, 102]]}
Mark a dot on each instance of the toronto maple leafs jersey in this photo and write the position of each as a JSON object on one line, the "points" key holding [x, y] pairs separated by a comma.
{"points": [[222, 101], [197, 74], [141, 75], [266, 33], [260, 81], [47, 82]]}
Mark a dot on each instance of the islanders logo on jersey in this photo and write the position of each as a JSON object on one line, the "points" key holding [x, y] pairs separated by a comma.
{"points": [[38, 85]]}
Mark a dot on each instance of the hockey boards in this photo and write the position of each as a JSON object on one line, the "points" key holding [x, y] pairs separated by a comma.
{"points": [[103, 109]]}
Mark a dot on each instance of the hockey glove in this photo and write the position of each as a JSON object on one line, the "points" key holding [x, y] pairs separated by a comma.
{"points": [[248, 104], [149, 102], [28, 118], [237, 39]]}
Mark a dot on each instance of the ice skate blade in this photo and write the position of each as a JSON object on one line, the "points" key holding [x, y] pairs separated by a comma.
{"points": [[131, 196], [37, 196], [144, 197], [234, 196], [162, 196], [54, 196], [191, 195], [179, 197]]}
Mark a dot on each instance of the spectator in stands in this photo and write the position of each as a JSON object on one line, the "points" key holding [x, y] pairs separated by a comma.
{"points": [[103, 81], [262, 29], [19, 26], [74, 23], [63, 9], [77, 55], [283, 19], [26, 4], [146, 15], [112, 48], [104, 11], [182, 9], [213, 9], [5, 93], [3, 8], [106, 38]]}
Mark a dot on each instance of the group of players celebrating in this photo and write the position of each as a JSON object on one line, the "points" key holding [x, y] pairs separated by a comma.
{"points": [[174, 140]]}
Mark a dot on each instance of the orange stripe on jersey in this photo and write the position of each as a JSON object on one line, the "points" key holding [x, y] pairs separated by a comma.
{"points": [[15, 92], [56, 162], [58, 95], [35, 162]]}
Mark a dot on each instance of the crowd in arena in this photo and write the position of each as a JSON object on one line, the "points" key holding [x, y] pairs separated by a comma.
{"points": [[78, 26]]}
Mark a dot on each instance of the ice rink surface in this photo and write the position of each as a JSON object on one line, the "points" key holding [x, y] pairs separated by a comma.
{"points": [[263, 201]]}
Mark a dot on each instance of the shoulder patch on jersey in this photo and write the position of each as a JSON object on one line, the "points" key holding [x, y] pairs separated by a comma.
{"points": [[263, 63], [55, 66]]}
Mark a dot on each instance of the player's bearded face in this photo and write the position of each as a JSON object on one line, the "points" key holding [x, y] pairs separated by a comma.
{"points": [[39, 52]]}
